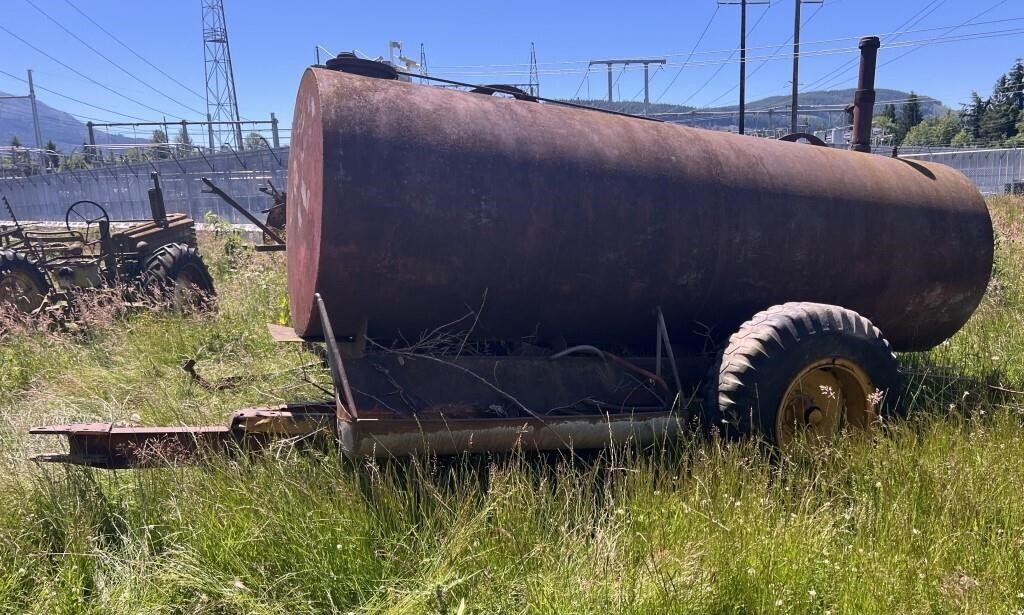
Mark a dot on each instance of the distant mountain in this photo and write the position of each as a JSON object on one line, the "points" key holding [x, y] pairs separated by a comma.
{"points": [[65, 129], [815, 120]]}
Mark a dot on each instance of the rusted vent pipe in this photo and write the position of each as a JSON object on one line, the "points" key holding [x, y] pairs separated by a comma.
{"points": [[864, 99]]}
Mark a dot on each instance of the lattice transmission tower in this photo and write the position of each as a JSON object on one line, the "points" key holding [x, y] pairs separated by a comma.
{"points": [[221, 103], [534, 77]]}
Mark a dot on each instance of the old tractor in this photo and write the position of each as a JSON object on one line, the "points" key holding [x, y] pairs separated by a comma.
{"points": [[40, 265]]}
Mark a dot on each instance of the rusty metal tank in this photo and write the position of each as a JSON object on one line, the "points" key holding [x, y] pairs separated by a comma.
{"points": [[408, 205]]}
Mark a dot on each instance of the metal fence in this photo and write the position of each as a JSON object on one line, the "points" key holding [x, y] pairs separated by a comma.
{"points": [[122, 189], [993, 171]]}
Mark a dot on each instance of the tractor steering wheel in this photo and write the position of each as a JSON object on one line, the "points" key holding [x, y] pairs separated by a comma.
{"points": [[89, 212]]}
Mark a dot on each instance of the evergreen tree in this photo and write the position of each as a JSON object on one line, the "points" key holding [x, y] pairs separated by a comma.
{"points": [[159, 138], [971, 116], [1015, 83], [1000, 116], [910, 116], [889, 112], [52, 155]]}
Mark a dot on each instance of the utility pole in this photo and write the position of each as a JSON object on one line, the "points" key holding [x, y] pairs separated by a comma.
{"points": [[645, 61], [743, 54], [35, 111], [796, 64], [35, 114]]}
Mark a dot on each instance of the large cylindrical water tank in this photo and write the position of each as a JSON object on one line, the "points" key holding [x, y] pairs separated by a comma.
{"points": [[409, 206]]}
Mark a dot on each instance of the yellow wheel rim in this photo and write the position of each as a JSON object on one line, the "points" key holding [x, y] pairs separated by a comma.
{"points": [[825, 396]]}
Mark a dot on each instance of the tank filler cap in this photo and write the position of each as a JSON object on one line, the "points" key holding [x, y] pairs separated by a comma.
{"points": [[348, 62]]}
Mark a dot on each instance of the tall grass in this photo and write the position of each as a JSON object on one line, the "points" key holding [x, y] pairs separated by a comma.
{"points": [[924, 516]]}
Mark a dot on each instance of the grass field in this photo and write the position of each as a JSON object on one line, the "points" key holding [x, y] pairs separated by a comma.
{"points": [[926, 516]]}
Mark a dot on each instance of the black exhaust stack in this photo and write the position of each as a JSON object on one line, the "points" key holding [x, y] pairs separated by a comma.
{"points": [[156, 201], [864, 99]]}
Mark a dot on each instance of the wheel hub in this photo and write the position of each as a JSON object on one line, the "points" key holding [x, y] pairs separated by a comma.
{"points": [[822, 398], [20, 290]]}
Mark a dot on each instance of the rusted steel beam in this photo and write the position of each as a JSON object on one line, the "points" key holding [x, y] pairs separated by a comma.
{"points": [[403, 437], [213, 188], [106, 445]]}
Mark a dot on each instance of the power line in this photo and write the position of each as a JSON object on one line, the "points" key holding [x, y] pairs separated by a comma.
{"points": [[773, 56], [81, 102], [692, 51], [846, 67], [715, 74], [524, 66], [115, 64], [646, 86], [80, 74], [946, 33], [950, 31], [132, 51], [580, 87], [820, 52]]}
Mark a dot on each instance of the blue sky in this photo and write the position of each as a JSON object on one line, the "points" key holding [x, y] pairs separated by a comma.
{"points": [[271, 43]]}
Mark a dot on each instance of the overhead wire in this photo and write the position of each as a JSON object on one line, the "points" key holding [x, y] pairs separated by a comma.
{"points": [[950, 31], [65, 96], [692, 51], [947, 31], [715, 74], [580, 87], [844, 68], [132, 51], [111, 62], [803, 54], [525, 66], [651, 77], [81, 74], [771, 57]]}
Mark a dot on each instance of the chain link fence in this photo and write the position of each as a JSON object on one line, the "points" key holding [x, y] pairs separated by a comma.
{"points": [[123, 189], [993, 171]]}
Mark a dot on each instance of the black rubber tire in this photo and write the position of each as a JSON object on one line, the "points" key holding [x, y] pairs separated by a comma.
{"points": [[17, 262], [165, 265], [751, 375]]}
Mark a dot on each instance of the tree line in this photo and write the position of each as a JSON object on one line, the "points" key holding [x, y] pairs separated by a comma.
{"points": [[157, 147], [996, 121]]}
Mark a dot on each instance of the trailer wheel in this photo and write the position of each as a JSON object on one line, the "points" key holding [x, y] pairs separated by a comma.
{"points": [[802, 371], [178, 270], [22, 283]]}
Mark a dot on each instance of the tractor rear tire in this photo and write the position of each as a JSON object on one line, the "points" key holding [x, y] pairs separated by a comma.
{"points": [[178, 270], [22, 283], [799, 370]]}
